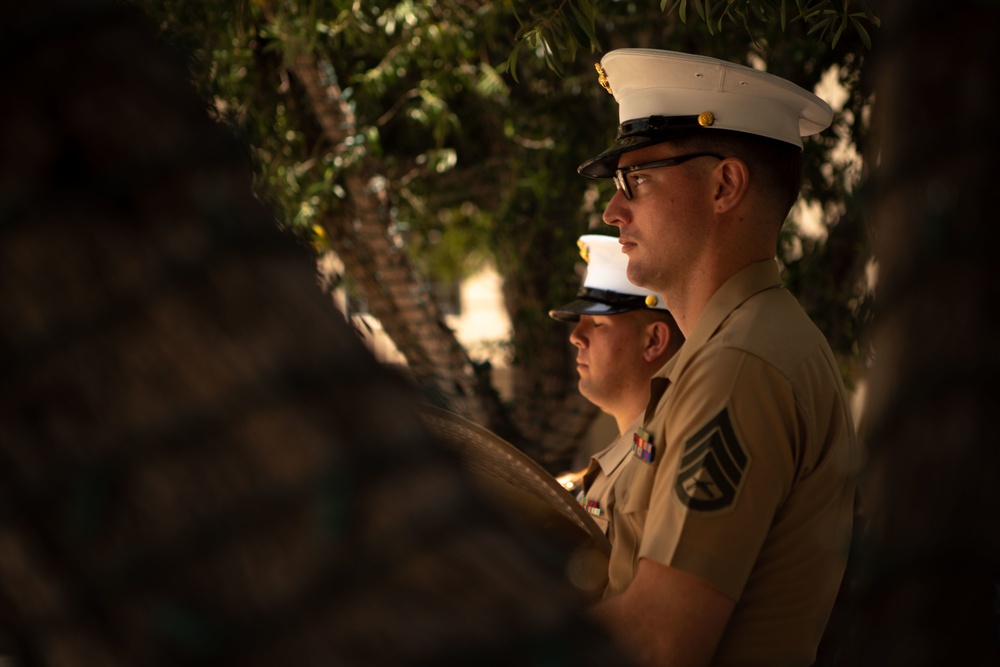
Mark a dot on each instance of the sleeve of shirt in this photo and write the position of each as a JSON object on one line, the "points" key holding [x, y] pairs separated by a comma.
{"points": [[730, 427]]}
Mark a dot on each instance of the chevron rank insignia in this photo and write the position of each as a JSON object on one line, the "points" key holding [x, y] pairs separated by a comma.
{"points": [[642, 445], [713, 466]]}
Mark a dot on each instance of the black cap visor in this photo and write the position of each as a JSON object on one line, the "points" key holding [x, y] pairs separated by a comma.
{"points": [[635, 134], [597, 302]]}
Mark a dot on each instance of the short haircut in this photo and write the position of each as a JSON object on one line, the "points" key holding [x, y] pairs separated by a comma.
{"points": [[775, 166]]}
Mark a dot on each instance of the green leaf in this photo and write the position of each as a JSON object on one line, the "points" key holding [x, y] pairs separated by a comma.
{"points": [[808, 13], [511, 64], [819, 25], [683, 11], [586, 23], [862, 33], [840, 31], [571, 42], [868, 12], [784, 16], [700, 8], [513, 8], [550, 60]]}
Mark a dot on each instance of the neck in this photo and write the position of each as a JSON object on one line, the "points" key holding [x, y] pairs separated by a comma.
{"points": [[688, 303], [624, 419], [733, 242]]}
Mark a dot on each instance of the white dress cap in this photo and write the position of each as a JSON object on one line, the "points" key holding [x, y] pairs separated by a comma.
{"points": [[662, 93], [606, 288]]}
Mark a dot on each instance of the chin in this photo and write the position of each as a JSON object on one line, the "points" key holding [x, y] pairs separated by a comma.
{"points": [[638, 276], [647, 279]]}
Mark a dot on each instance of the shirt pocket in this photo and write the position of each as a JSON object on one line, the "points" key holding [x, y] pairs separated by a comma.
{"points": [[602, 522], [634, 486], [632, 490]]}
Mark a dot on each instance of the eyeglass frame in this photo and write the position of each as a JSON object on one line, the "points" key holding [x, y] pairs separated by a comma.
{"points": [[621, 182]]}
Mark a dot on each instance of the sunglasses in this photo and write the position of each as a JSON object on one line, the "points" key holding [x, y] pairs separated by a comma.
{"points": [[621, 174]]}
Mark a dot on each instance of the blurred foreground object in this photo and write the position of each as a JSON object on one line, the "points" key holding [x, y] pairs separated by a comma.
{"points": [[929, 572], [535, 501], [199, 462]]}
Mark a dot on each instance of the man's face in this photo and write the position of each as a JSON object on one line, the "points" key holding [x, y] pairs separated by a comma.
{"points": [[609, 358], [661, 227]]}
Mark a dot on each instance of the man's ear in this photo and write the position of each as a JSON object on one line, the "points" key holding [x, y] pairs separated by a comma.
{"points": [[657, 340], [732, 181]]}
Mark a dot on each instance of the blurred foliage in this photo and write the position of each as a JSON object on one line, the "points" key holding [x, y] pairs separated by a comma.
{"points": [[558, 29], [478, 113]]}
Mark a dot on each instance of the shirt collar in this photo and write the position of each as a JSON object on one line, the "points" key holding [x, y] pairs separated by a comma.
{"points": [[613, 456], [755, 278]]}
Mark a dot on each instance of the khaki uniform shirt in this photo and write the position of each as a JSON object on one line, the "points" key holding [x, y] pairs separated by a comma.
{"points": [[597, 494], [744, 472]]}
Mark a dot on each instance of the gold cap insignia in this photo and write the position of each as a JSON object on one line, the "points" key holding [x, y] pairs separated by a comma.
{"points": [[584, 251], [651, 301], [602, 78], [705, 118]]}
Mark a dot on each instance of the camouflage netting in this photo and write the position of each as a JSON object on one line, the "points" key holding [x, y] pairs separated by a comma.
{"points": [[199, 462]]}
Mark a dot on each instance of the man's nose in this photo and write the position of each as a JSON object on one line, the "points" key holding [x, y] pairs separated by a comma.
{"points": [[615, 210]]}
